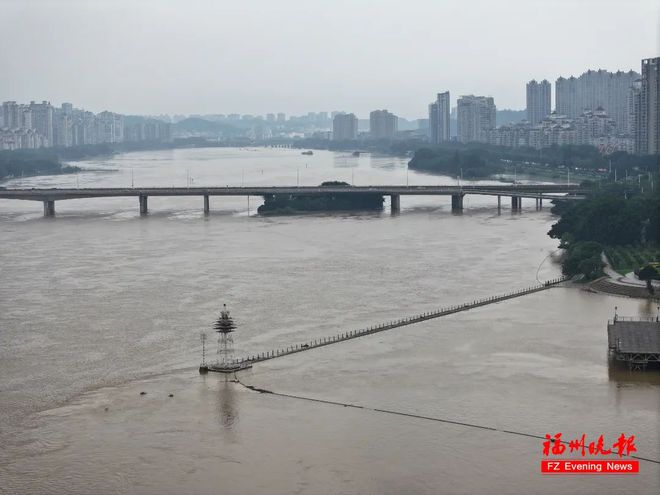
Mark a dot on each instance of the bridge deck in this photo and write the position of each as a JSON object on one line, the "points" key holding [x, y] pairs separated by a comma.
{"points": [[526, 190]]}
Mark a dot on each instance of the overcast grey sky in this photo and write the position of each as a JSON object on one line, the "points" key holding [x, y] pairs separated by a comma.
{"points": [[295, 56]]}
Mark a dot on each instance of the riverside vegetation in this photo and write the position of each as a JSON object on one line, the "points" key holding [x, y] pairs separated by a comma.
{"points": [[620, 219], [49, 161], [476, 160]]}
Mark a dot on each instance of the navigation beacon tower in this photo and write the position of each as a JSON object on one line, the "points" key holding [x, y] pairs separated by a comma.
{"points": [[225, 326]]}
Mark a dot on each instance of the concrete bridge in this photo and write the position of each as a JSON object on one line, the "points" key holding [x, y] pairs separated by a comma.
{"points": [[515, 192]]}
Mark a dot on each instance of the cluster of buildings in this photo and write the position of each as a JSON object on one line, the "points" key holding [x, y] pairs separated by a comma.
{"points": [[475, 118], [382, 125], [41, 125], [592, 127], [612, 111]]}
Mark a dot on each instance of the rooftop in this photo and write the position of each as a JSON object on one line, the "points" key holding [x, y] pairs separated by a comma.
{"points": [[634, 336]]}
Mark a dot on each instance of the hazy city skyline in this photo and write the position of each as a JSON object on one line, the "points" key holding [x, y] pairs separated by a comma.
{"points": [[257, 57]]}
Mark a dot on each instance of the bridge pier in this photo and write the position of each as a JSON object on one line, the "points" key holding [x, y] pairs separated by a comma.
{"points": [[49, 208], [499, 202], [516, 203], [540, 203], [395, 203], [143, 204], [206, 204], [457, 203]]}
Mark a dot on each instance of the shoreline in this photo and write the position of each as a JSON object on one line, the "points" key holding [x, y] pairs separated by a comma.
{"points": [[66, 163]]}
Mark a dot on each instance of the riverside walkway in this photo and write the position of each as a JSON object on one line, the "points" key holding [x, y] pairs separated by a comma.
{"points": [[246, 362], [516, 192]]}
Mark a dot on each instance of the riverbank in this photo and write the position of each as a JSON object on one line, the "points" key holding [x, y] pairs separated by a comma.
{"points": [[56, 161], [627, 285], [622, 219], [623, 287], [31, 163]]}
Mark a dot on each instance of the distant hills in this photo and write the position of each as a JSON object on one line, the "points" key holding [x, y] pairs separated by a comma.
{"points": [[197, 125]]}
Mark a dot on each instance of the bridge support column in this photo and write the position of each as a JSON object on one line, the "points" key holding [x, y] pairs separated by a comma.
{"points": [[540, 203], [499, 202], [49, 208], [395, 203], [457, 203], [206, 204], [516, 203], [143, 204]]}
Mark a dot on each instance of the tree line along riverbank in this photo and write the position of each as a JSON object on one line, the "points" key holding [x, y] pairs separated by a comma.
{"points": [[51, 161], [476, 160], [619, 219]]}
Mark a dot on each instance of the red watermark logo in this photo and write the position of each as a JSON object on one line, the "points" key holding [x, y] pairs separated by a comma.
{"points": [[556, 447]]}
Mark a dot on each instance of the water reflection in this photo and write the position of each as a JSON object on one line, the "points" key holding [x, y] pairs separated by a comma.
{"points": [[345, 160], [388, 164], [227, 403], [618, 372]]}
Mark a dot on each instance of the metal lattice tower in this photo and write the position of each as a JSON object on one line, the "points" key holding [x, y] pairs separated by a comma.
{"points": [[225, 327], [202, 336]]}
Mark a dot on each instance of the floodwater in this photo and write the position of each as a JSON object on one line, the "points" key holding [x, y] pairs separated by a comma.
{"points": [[98, 305]]}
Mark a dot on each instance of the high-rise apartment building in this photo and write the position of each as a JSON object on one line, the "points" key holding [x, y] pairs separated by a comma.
{"points": [[25, 117], [595, 90], [10, 115], [40, 125], [648, 131], [110, 127], [439, 118], [476, 118], [42, 120], [566, 97], [344, 127], [634, 115], [538, 101], [15, 116], [382, 124], [62, 128], [323, 119]]}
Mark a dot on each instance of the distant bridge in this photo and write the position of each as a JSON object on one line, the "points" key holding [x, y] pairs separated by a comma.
{"points": [[515, 192]]}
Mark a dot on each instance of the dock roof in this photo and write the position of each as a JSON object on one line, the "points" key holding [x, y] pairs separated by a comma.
{"points": [[634, 337]]}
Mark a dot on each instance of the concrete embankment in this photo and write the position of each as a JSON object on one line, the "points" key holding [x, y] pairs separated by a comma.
{"points": [[612, 286]]}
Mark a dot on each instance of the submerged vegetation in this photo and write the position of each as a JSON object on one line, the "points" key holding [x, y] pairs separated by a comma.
{"points": [[283, 204]]}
